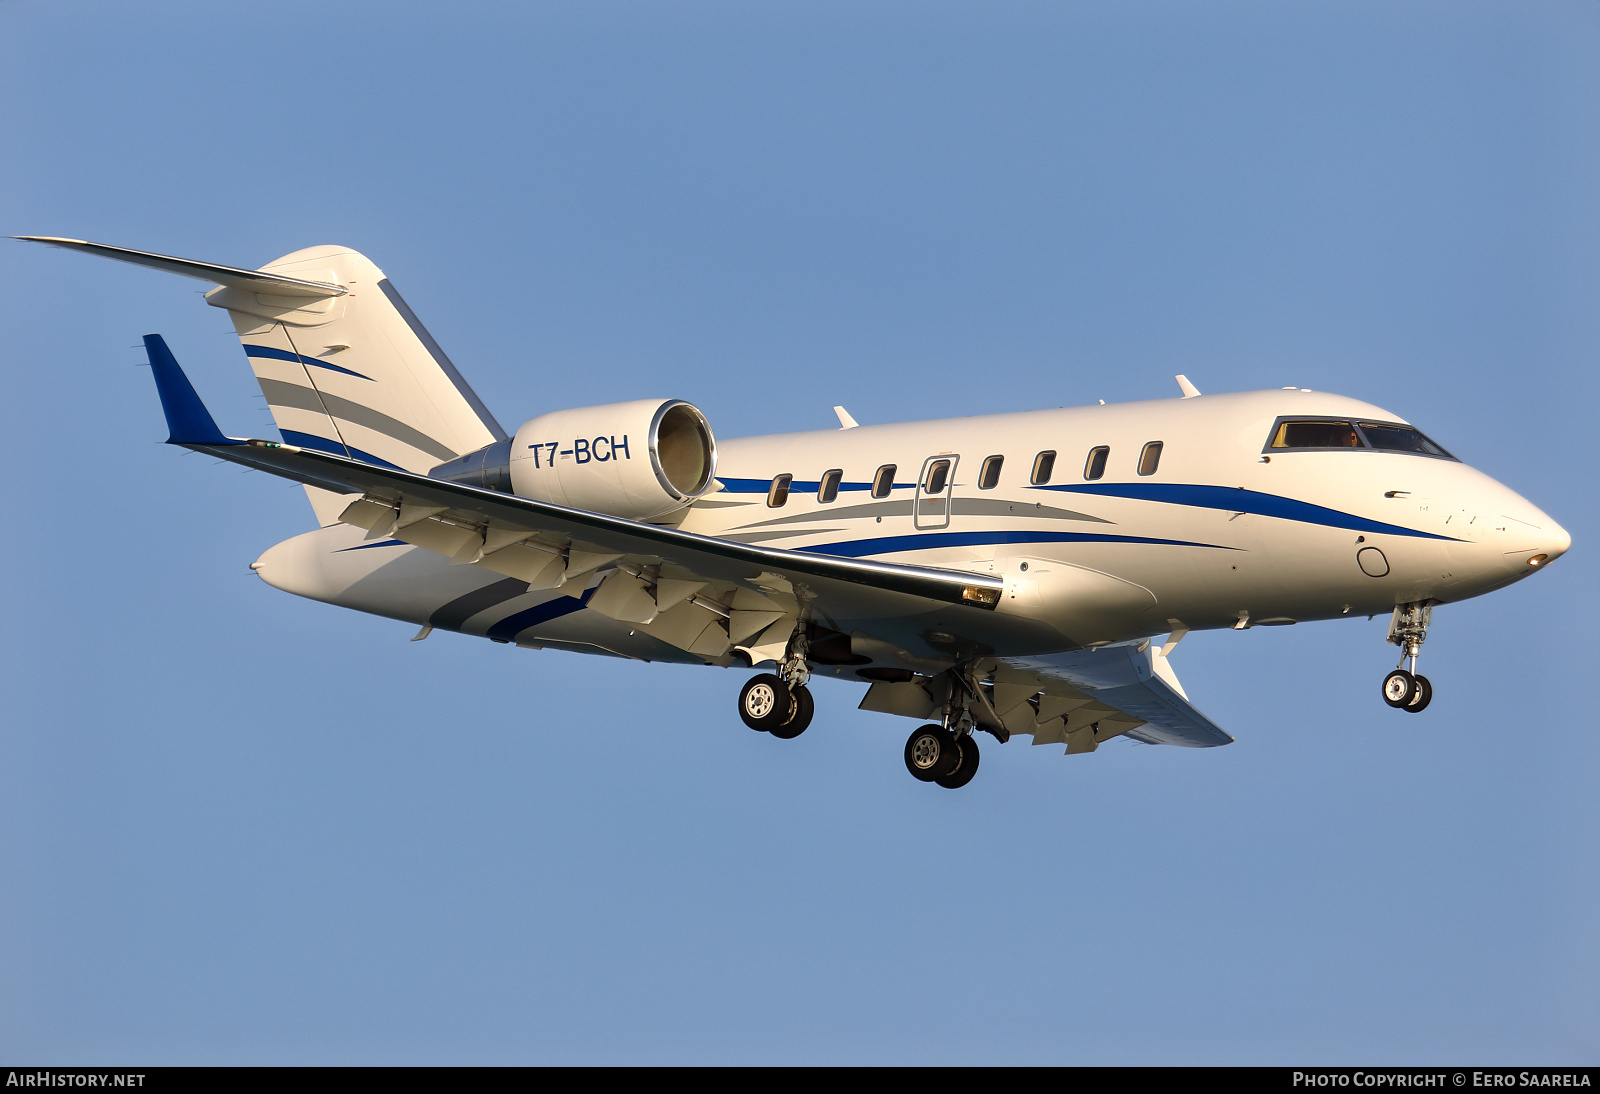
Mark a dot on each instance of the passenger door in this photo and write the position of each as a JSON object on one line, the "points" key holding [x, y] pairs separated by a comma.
{"points": [[932, 506]]}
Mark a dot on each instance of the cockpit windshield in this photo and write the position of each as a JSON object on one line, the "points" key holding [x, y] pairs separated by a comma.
{"points": [[1400, 438], [1324, 433]]}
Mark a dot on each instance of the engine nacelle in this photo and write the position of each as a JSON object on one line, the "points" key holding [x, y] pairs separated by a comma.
{"points": [[638, 460]]}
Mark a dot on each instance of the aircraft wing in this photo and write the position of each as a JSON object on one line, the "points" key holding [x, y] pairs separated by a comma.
{"points": [[698, 593], [1127, 688], [551, 546], [1080, 698], [708, 595]]}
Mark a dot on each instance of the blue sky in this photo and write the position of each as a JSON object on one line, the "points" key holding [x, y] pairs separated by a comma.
{"points": [[240, 827]]}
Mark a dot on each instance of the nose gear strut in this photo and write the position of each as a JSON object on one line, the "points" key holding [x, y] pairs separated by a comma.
{"points": [[1408, 629]]}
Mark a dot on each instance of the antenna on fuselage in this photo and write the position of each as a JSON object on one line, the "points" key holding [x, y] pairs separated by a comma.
{"points": [[1188, 389]]}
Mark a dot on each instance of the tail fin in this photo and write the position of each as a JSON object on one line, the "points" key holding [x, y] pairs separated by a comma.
{"points": [[355, 374], [343, 362]]}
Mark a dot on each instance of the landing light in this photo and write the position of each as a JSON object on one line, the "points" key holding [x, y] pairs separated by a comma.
{"points": [[1538, 560]]}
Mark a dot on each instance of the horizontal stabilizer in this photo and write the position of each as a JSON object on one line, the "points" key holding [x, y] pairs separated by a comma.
{"points": [[232, 276], [188, 420]]}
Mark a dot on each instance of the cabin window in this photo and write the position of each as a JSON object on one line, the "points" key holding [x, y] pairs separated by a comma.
{"points": [[938, 478], [989, 473], [1316, 434], [1150, 458], [1095, 466], [828, 489], [1044, 465], [779, 493], [1399, 438], [883, 481]]}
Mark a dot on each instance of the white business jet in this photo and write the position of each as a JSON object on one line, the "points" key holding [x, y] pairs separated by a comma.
{"points": [[1007, 573]]}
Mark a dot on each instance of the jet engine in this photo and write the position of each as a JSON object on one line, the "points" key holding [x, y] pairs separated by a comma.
{"points": [[640, 460]]}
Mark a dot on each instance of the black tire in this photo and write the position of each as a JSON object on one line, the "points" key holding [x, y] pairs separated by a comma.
{"points": [[799, 716], [931, 753], [765, 702], [1423, 697], [1399, 688], [968, 766]]}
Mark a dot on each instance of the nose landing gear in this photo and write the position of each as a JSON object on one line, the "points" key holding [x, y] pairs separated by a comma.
{"points": [[1408, 628]]}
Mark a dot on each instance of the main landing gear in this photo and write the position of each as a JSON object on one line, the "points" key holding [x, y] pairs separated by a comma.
{"points": [[936, 755], [943, 753], [1409, 691], [768, 705], [780, 704], [946, 753]]}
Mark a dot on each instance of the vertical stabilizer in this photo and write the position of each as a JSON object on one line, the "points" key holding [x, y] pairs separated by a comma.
{"points": [[356, 374]]}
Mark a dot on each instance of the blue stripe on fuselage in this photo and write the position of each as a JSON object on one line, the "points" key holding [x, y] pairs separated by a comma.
{"points": [[1240, 500], [761, 486], [517, 622], [884, 545]]}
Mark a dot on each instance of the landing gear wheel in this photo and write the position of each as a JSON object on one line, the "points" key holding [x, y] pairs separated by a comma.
{"points": [[800, 715], [932, 753], [1399, 688], [966, 768], [765, 703], [1423, 696]]}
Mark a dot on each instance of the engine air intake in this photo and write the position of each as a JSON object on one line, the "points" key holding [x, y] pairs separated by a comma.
{"points": [[641, 460]]}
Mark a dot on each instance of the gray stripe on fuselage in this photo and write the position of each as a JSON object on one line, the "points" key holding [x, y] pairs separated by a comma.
{"points": [[777, 533], [280, 393], [462, 608], [961, 507]]}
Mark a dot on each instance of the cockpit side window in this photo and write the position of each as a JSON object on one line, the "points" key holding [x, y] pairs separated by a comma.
{"points": [[1400, 438], [1316, 434]]}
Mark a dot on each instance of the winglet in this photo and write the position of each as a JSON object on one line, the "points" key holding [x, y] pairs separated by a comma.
{"points": [[188, 420]]}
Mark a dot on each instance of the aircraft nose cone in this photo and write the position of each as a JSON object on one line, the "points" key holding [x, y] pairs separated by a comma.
{"points": [[1540, 549], [1554, 545]]}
